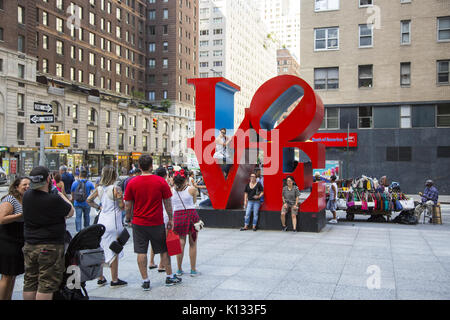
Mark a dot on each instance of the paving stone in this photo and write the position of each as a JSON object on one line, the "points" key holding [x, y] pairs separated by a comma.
{"points": [[359, 293]]}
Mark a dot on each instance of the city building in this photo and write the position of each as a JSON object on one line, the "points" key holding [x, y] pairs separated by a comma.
{"points": [[282, 18], [382, 70], [235, 44], [89, 60], [287, 63]]}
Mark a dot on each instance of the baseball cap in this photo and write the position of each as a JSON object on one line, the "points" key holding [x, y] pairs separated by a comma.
{"points": [[38, 177]]}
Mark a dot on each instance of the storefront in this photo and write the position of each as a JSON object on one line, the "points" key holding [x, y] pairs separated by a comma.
{"points": [[26, 159], [4, 151], [135, 158], [124, 163], [109, 158], [166, 159], [55, 158], [156, 159], [74, 158], [93, 161]]}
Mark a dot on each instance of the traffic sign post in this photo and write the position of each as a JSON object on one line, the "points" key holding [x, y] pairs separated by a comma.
{"points": [[43, 107], [42, 118]]}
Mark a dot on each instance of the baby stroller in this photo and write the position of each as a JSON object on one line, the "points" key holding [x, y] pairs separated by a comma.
{"points": [[83, 261]]}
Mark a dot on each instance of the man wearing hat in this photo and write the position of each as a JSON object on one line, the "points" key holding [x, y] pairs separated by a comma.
{"points": [[429, 198], [44, 217]]}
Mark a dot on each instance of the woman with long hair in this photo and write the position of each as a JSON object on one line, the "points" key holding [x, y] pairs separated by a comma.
{"points": [[291, 198], [59, 184], [184, 217], [11, 236], [111, 199]]}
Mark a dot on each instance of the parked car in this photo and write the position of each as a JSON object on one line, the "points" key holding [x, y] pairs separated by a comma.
{"points": [[3, 177]]}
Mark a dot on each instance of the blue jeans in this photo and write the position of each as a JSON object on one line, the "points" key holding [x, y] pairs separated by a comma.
{"points": [[252, 205], [82, 212]]}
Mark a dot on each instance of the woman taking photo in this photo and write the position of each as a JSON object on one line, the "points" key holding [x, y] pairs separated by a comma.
{"points": [[111, 198], [11, 237], [290, 196], [184, 217], [252, 201]]}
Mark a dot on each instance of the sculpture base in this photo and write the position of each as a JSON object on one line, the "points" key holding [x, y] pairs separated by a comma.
{"points": [[267, 220]]}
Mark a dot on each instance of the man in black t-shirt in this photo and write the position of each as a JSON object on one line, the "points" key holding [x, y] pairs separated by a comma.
{"points": [[45, 217], [252, 201]]}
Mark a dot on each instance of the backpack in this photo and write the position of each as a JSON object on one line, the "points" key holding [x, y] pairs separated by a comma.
{"points": [[80, 194]]}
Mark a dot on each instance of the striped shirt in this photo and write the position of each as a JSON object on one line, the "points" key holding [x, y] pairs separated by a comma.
{"points": [[17, 207]]}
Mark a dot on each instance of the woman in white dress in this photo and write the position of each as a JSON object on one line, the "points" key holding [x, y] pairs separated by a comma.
{"points": [[111, 199]]}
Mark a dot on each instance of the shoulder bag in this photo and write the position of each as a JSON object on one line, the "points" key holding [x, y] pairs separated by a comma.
{"points": [[198, 225]]}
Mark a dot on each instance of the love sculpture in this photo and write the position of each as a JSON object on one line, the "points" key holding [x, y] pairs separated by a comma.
{"points": [[214, 99]]}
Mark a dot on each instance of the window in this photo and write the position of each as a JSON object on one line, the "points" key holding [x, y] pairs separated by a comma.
{"points": [[398, 153], [165, 94], [405, 74], [405, 26], [45, 65], [151, 95], [165, 46], [204, 75], [20, 127], [20, 14], [91, 114], [151, 63], [165, 63], [118, 68], [405, 116], [204, 64], [118, 86], [217, 53], [21, 43], [1, 65], [165, 14], [365, 35], [122, 120], [59, 47], [118, 13], [443, 28], [59, 25], [74, 135], [217, 31], [60, 4], [118, 32], [73, 52], [326, 38], [365, 76], [443, 115], [108, 138], [324, 5], [386, 117], [80, 75], [218, 42], [144, 143], [204, 32], [204, 53], [326, 78], [45, 18], [80, 54], [1, 34], [365, 3], [91, 39], [204, 43], [330, 119], [443, 71], [423, 116], [59, 70], [118, 50], [217, 63], [20, 101], [443, 152], [91, 139], [92, 18], [91, 79], [73, 75], [365, 117], [217, 20], [45, 41], [21, 69]]}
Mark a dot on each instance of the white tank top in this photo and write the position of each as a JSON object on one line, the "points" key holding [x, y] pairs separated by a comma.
{"points": [[188, 201]]}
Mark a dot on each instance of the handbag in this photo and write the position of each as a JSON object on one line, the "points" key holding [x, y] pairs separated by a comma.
{"points": [[358, 201], [364, 205], [350, 203], [341, 204], [398, 205], [173, 243], [407, 204], [371, 204]]}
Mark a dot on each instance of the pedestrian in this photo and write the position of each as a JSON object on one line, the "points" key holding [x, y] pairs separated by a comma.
{"points": [[110, 215], [77, 172], [11, 236], [331, 204], [252, 201], [162, 172], [429, 197], [290, 196], [59, 184], [68, 180], [184, 218], [44, 217], [81, 190], [144, 197], [222, 153]]}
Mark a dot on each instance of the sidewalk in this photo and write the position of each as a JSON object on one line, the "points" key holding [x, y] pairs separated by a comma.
{"points": [[412, 262]]}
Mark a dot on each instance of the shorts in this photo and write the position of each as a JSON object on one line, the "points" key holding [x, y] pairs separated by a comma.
{"points": [[44, 267], [155, 234], [331, 205], [290, 208]]}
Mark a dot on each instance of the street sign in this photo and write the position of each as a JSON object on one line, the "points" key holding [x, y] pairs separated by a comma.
{"points": [[42, 119], [44, 107]]}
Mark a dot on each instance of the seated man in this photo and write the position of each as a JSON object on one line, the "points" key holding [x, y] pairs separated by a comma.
{"points": [[429, 198]]}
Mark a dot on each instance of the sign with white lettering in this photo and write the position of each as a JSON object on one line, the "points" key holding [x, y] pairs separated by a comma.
{"points": [[42, 119], [44, 107]]}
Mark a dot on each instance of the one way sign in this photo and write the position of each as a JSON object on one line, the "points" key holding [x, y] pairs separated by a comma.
{"points": [[42, 119], [43, 107]]}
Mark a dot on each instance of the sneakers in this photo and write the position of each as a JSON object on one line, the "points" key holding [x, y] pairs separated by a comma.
{"points": [[195, 273], [180, 273], [333, 221], [284, 229], [101, 283], [119, 283], [146, 285], [172, 281]]}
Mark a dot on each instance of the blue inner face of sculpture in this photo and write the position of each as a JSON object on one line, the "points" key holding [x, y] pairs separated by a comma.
{"points": [[280, 106], [225, 108]]}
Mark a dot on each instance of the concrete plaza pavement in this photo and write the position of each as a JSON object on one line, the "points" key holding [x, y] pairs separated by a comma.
{"points": [[413, 262]]}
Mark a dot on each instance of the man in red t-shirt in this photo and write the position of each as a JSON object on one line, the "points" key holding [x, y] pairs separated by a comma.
{"points": [[144, 196]]}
